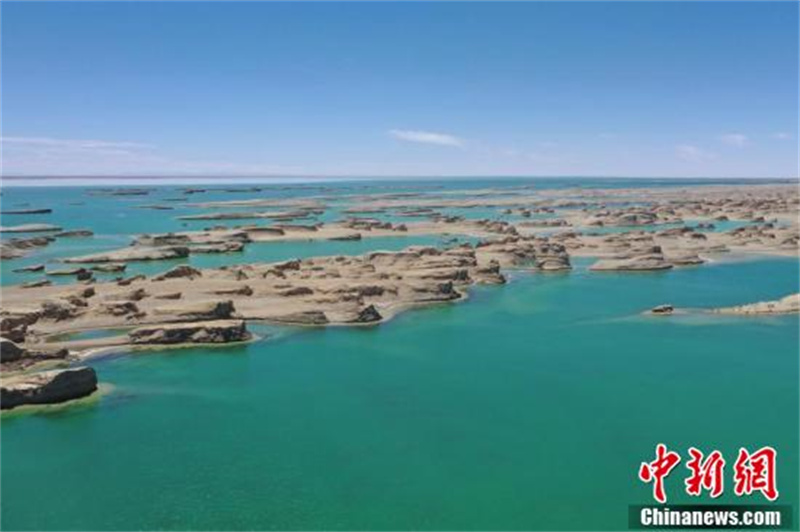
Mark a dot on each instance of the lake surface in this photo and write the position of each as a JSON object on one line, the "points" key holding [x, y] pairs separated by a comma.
{"points": [[527, 406]]}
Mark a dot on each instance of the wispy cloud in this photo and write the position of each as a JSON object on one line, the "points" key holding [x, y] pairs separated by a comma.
{"points": [[427, 137], [735, 139], [77, 143], [70, 144], [781, 135], [55, 156], [693, 154]]}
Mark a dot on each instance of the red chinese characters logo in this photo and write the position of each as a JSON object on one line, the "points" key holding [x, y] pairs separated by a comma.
{"points": [[756, 472], [657, 470], [752, 472], [706, 474]]}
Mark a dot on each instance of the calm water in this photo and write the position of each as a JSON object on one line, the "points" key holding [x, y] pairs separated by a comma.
{"points": [[529, 406]]}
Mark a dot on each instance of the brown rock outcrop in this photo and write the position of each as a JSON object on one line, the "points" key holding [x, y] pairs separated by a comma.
{"points": [[198, 311], [182, 271], [9, 351], [48, 387], [133, 254], [203, 332]]}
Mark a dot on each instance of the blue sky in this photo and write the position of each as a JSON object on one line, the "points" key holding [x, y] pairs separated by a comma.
{"points": [[533, 88]]}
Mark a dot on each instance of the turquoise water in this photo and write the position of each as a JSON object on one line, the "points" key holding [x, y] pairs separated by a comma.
{"points": [[88, 335], [528, 406]]}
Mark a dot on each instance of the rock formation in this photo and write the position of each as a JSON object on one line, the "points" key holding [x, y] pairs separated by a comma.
{"points": [[787, 305], [47, 387], [203, 332]]}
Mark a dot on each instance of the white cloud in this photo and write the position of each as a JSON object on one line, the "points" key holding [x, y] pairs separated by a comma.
{"points": [[427, 137], [71, 144], [735, 139], [52, 156], [692, 154], [780, 135]]}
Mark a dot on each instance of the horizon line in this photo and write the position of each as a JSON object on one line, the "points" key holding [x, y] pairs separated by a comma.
{"points": [[373, 176]]}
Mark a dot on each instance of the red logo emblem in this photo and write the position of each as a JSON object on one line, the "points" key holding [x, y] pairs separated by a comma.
{"points": [[706, 474], [756, 472], [657, 470], [752, 472]]}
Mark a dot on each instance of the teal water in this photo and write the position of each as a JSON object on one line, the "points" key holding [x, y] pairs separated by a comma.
{"points": [[88, 335], [528, 406]]}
